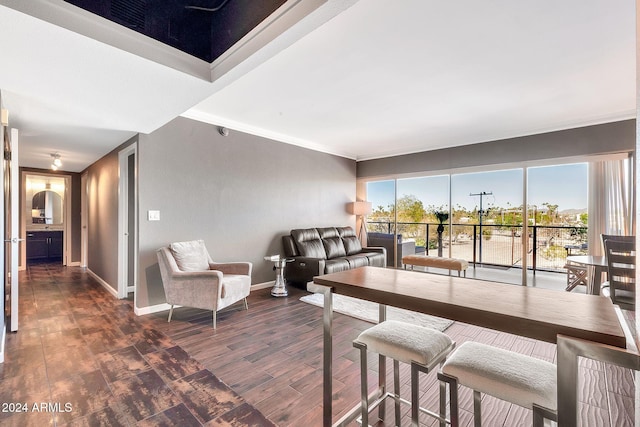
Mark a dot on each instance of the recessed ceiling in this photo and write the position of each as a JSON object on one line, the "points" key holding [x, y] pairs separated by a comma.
{"points": [[370, 79]]}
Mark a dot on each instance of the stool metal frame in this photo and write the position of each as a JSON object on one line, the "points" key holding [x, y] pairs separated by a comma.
{"points": [[539, 412], [368, 404]]}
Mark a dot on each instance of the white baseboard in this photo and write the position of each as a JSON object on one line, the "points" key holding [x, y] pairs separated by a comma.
{"points": [[104, 284], [131, 289], [152, 309], [4, 337], [263, 285], [74, 264]]}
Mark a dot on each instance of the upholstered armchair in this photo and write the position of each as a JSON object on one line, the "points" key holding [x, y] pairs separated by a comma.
{"points": [[190, 278]]}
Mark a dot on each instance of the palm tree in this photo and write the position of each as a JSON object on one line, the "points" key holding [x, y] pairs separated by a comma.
{"points": [[441, 217]]}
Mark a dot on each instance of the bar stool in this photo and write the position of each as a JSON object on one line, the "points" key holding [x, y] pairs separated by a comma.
{"points": [[512, 377], [421, 347]]}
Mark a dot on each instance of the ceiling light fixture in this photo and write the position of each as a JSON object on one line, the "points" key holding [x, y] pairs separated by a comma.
{"points": [[56, 163]]}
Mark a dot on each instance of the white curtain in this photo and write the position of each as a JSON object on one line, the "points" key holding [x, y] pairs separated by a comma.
{"points": [[610, 201]]}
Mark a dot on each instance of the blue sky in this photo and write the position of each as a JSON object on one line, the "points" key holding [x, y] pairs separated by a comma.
{"points": [[565, 186]]}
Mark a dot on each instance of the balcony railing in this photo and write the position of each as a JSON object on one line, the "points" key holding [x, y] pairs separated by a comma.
{"points": [[500, 245]]}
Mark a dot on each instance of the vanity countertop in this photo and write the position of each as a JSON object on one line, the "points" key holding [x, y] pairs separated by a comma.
{"points": [[44, 228]]}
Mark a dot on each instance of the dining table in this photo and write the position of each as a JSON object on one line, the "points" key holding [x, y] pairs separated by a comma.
{"points": [[537, 313], [595, 265]]}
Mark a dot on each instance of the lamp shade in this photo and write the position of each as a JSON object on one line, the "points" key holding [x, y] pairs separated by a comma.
{"points": [[361, 208]]}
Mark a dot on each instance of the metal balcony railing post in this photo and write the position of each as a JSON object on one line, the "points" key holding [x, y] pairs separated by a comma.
{"points": [[475, 243], [535, 248], [426, 242]]}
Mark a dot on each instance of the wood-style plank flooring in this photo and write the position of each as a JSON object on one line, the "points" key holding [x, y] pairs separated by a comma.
{"points": [[79, 344], [82, 358]]}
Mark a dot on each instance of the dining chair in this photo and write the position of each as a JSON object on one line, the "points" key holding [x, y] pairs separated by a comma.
{"points": [[616, 237], [621, 261]]}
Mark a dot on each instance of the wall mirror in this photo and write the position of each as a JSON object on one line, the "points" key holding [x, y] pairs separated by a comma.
{"points": [[46, 208]]}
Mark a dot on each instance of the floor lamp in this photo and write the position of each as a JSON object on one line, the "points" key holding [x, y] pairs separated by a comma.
{"points": [[361, 209]]}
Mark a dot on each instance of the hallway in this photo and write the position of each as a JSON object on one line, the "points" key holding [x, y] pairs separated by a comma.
{"points": [[81, 357]]}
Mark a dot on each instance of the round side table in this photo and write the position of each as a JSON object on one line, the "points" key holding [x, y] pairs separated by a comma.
{"points": [[279, 288]]}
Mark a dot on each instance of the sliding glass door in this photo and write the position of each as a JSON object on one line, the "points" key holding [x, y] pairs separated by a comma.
{"points": [[487, 217], [481, 216]]}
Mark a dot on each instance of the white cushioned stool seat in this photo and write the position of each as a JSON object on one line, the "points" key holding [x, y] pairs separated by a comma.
{"points": [[405, 342], [422, 348], [512, 377]]}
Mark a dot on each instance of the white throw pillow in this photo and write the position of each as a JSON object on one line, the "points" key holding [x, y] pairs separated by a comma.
{"points": [[190, 256]]}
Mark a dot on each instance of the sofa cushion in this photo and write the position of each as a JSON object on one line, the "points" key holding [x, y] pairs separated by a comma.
{"points": [[327, 232], [336, 265], [308, 243], [350, 240], [359, 260], [191, 255], [333, 246], [376, 259]]}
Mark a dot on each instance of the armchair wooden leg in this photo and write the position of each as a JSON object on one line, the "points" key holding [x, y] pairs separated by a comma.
{"points": [[214, 318], [170, 313], [246, 305]]}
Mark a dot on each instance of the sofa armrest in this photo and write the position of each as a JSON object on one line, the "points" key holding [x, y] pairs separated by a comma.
{"points": [[243, 268], [408, 247], [380, 249], [199, 289], [304, 269]]}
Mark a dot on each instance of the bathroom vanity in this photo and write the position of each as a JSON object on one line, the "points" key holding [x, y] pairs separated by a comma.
{"points": [[44, 245]]}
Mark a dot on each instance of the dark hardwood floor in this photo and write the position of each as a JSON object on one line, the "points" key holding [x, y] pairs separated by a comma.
{"points": [[90, 361], [77, 344]]}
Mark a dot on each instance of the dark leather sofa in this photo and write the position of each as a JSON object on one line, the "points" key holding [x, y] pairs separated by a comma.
{"points": [[318, 251]]}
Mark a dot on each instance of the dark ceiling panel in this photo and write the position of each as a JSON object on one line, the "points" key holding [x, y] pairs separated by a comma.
{"points": [[236, 19], [184, 24]]}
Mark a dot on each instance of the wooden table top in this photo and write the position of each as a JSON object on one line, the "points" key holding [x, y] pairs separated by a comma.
{"points": [[536, 313], [598, 261]]}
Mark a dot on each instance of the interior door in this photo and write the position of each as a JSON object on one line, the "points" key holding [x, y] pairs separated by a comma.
{"points": [[11, 218]]}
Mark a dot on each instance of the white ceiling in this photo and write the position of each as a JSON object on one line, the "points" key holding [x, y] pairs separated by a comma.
{"points": [[381, 78]]}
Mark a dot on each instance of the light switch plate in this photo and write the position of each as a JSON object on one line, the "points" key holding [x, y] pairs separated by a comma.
{"points": [[153, 215]]}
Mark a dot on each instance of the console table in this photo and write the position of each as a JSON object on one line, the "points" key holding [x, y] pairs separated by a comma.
{"points": [[536, 313]]}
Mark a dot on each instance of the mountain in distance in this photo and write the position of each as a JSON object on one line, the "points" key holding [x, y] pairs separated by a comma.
{"points": [[573, 211]]}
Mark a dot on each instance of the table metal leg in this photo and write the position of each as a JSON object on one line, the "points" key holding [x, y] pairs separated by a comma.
{"points": [[382, 364], [567, 382], [327, 353], [327, 367]]}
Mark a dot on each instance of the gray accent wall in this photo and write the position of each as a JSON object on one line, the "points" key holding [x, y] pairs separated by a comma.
{"points": [[239, 193], [601, 139], [102, 216]]}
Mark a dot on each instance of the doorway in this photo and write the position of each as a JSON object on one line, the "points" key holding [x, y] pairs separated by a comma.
{"points": [[46, 203], [127, 225]]}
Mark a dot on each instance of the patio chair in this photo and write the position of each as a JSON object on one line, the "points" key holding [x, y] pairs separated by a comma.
{"points": [[191, 278], [576, 275]]}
